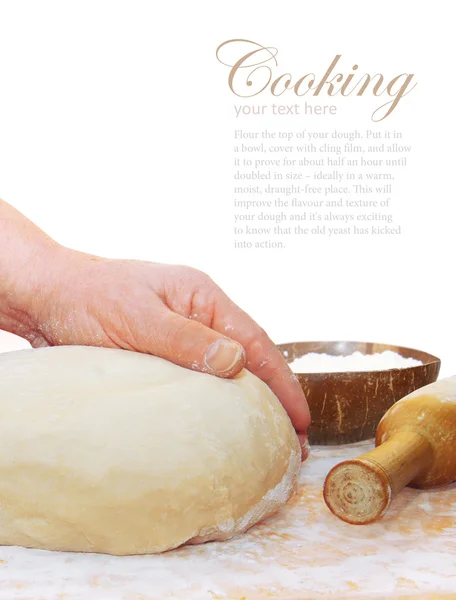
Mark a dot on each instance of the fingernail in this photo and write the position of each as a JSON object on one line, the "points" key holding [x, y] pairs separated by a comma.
{"points": [[222, 356], [305, 446]]}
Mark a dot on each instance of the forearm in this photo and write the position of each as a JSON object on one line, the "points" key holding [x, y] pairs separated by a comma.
{"points": [[23, 248]]}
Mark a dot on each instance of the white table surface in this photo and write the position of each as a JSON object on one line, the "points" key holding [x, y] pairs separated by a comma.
{"points": [[303, 552]]}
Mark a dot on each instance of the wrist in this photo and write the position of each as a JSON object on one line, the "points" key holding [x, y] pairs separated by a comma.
{"points": [[27, 281]]}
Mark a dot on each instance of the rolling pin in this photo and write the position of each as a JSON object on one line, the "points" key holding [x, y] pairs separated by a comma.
{"points": [[415, 446]]}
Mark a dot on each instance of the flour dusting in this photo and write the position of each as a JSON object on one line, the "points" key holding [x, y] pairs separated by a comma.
{"points": [[271, 502]]}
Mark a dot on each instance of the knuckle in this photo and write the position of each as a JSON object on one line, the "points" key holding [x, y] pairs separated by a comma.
{"points": [[202, 277], [177, 326]]}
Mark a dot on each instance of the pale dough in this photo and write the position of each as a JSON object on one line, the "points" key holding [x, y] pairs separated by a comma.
{"points": [[123, 453]]}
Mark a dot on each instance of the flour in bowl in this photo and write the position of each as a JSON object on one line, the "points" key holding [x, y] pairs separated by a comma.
{"points": [[314, 362]]}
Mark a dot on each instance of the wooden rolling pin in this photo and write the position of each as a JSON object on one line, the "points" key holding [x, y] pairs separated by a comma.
{"points": [[415, 446]]}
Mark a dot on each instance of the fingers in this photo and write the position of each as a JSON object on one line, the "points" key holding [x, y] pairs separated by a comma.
{"points": [[264, 360], [305, 447], [208, 306], [195, 346]]}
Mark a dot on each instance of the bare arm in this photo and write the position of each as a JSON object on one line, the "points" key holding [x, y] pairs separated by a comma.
{"points": [[24, 248]]}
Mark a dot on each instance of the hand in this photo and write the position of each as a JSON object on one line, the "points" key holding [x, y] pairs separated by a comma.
{"points": [[175, 312], [51, 295]]}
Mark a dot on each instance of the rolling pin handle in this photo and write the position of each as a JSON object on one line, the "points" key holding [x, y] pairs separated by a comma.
{"points": [[359, 491]]}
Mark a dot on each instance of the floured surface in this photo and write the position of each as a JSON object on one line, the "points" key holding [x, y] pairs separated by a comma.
{"points": [[303, 552]]}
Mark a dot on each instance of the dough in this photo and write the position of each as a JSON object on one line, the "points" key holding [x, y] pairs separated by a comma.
{"points": [[124, 453]]}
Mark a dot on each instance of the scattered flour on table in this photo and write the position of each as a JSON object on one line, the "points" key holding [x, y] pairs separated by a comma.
{"points": [[314, 362]]}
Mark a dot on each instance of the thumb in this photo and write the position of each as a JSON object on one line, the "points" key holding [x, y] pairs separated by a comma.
{"points": [[192, 345]]}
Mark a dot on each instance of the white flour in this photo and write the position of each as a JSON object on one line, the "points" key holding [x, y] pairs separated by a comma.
{"points": [[314, 362]]}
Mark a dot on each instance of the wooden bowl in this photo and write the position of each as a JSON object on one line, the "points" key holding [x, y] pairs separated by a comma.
{"points": [[346, 407]]}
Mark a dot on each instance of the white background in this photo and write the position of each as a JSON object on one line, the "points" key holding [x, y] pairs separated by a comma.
{"points": [[116, 134]]}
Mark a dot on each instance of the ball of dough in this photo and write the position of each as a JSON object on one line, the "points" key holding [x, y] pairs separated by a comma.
{"points": [[124, 453]]}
